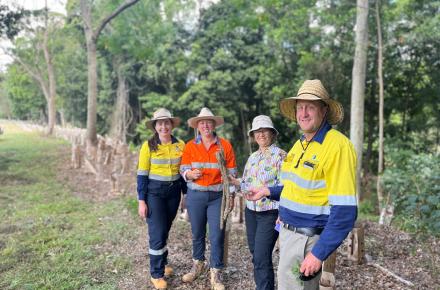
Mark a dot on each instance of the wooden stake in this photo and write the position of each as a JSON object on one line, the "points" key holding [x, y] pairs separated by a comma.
{"points": [[355, 249], [328, 281], [76, 156]]}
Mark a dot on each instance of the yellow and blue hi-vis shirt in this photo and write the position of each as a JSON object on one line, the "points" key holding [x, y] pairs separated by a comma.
{"points": [[319, 188], [158, 166]]}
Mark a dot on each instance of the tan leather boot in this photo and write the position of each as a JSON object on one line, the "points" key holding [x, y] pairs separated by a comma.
{"points": [[168, 271], [216, 279], [198, 268], [159, 283]]}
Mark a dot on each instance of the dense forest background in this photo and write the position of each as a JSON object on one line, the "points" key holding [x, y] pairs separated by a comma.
{"points": [[239, 58]]}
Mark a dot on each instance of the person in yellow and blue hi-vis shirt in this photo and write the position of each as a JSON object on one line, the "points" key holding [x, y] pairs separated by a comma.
{"points": [[318, 206], [159, 187]]}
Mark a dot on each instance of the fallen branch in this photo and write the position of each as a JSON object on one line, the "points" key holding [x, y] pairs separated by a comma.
{"points": [[370, 262]]}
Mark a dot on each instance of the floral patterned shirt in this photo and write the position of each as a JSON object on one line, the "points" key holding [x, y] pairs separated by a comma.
{"points": [[263, 169]]}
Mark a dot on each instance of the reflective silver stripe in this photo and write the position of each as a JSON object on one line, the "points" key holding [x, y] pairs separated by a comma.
{"points": [[164, 178], [184, 168], [143, 172], [342, 200], [165, 161], [304, 183], [232, 171], [303, 208], [157, 252], [195, 186], [205, 165]]}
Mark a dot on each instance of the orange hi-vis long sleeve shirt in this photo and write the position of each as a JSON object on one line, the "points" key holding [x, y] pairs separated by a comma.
{"points": [[196, 156]]}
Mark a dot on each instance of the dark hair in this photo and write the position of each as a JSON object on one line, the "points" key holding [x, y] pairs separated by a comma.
{"points": [[153, 142]]}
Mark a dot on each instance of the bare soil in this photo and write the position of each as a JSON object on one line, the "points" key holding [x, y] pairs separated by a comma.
{"points": [[413, 258]]}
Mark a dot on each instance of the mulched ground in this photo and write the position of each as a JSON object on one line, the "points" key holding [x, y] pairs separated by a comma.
{"points": [[413, 258]]}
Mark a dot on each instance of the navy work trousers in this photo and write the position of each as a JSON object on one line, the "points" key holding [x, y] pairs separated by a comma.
{"points": [[204, 207], [162, 209], [262, 237]]}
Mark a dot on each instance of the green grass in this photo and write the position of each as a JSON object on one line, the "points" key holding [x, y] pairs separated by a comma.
{"points": [[50, 239]]}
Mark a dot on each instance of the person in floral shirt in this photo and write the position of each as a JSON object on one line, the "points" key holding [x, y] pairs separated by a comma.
{"points": [[262, 169]]}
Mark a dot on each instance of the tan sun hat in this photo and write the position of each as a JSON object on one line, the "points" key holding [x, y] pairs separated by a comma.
{"points": [[205, 114], [259, 122], [313, 90], [161, 114]]}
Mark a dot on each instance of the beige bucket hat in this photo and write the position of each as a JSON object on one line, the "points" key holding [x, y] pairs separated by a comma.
{"points": [[205, 114], [259, 122], [313, 90], [161, 114]]}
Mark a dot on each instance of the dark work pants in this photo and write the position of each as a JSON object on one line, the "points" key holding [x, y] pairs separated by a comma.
{"points": [[162, 209], [203, 207], [262, 237]]}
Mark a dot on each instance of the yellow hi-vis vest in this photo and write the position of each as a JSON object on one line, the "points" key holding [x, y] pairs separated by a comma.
{"points": [[162, 164]]}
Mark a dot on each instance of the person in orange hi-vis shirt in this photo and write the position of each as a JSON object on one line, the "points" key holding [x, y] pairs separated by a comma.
{"points": [[199, 167]]}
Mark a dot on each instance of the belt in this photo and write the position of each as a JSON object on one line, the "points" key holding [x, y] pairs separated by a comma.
{"points": [[310, 232]]}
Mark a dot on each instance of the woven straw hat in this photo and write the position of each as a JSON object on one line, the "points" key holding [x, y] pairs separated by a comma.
{"points": [[313, 90], [261, 121], [161, 114], [205, 114]]}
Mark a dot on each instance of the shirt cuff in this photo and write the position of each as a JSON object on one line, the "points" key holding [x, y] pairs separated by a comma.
{"points": [[184, 175]]}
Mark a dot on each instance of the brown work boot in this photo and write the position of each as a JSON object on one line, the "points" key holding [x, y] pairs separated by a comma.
{"points": [[159, 283], [216, 279], [168, 271], [198, 268]]}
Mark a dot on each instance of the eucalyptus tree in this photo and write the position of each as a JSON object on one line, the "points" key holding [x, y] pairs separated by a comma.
{"points": [[381, 104], [358, 87], [34, 51], [92, 32]]}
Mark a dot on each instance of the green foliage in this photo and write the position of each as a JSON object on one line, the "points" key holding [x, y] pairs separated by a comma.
{"points": [[413, 180], [26, 98], [71, 67], [367, 209]]}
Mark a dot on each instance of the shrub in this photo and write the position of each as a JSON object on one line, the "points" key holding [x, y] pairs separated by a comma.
{"points": [[413, 180]]}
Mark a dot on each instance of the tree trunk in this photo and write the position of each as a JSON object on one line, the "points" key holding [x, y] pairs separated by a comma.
{"points": [[92, 92], [91, 40], [381, 104], [358, 87], [118, 128], [51, 101], [92, 87]]}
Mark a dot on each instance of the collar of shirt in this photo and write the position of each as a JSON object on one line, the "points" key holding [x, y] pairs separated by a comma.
{"points": [[320, 135], [173, 140], [269, 150], [198, 140]]}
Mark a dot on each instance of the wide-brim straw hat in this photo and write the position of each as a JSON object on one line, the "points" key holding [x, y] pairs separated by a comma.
{"points": [[205, 114], [262, 122], [161, 114], [313, 90]]}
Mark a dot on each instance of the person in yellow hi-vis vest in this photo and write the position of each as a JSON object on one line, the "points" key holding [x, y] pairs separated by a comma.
{"points": [[318, 206], [159, 187]]}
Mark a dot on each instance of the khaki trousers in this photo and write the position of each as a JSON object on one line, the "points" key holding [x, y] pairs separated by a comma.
{"points": [[293, 248]]}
